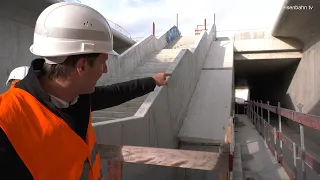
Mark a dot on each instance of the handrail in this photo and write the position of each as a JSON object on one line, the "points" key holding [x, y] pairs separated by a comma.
{"points": [[111, 23], [254, 111], [308, 120], [119, 28]]}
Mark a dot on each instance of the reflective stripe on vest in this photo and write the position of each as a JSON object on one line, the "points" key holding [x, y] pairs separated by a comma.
{"points": [[48, 147], [86, 164]]}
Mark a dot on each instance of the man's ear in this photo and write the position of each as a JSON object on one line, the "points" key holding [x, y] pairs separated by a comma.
{"points": [[81, 66]]}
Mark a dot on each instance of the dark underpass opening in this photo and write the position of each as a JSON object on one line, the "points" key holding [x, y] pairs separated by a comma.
{"points": [[267, 80]]}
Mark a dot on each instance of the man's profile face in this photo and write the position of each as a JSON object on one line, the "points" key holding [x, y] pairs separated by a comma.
{"points": [[91, 74]]}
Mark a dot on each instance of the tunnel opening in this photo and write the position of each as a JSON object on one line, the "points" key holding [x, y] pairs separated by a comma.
{"points": [[267, 80], [241, 96]]}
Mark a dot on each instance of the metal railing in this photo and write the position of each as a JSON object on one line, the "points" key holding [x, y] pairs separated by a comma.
{"points": [[254, 111], [113, 25], [119, 28]]}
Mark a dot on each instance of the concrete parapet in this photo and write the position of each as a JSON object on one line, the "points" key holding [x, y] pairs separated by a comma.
{"points": [[158, 120]]}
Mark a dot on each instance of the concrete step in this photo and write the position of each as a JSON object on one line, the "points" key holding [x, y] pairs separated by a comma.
{"points": [[154, 65], [113, 115], [165, 55], [143, 69], [156, 62], [183, 43]]}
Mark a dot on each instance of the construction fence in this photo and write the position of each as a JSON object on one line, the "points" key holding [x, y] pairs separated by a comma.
{"points": [[277, 141], [221, 162]]}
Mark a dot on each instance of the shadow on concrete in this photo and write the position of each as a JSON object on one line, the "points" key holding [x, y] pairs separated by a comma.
{"points": [[295, 42], [170, 46], [218, 54]]}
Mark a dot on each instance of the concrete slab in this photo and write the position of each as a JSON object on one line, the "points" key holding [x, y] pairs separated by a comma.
{"points": [[220, 55], [261, 56], [270, 44], [210, 107], [257, 160]]}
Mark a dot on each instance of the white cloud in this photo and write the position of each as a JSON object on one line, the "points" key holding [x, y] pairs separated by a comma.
{"points": [[136, 16]]}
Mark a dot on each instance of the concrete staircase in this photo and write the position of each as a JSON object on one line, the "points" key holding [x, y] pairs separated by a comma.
{"points": [[155, 63], [182, 43]]}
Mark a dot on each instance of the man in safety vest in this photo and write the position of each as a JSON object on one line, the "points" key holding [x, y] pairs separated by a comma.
{"points": [[45, 119], [16, 75]]}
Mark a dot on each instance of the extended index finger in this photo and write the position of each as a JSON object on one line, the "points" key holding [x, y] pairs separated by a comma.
{"points": [[167, 74]]}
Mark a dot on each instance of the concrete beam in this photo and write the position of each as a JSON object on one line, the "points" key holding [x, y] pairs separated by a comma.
{"points": [[262, 56], [299, 19], [269, 44]]}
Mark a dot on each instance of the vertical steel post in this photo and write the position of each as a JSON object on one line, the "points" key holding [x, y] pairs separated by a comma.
{"points": [[177, 20], [303, 166], [295, 171], [280, 130], [268, 103], [254, 113], [262, 120], [205, 24], [153, 28]]}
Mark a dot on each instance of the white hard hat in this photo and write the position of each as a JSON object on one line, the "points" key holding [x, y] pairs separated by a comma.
{"points": [[64, 29], [18, 73]]}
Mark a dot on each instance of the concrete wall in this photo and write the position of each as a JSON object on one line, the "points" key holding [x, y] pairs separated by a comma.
{"points": [[16, 35], [119, 67], [211, 104], [304, 88], [158, 120]]}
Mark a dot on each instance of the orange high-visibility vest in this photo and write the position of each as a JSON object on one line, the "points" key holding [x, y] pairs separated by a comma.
{"points": [[49, 148]]}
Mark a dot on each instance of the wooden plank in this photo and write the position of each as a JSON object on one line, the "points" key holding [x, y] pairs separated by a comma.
{"points": [[114, 170], [229, 134], [309, 120], [167, 157]]}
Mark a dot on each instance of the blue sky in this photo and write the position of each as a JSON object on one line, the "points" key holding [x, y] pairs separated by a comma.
{"points": [[136, 16]]}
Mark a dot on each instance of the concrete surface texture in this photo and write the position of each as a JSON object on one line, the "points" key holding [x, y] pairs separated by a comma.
{"points": [[16, 34], [303, 89], [158, 120], [17, 22], [297, 20], [257, 160], [258, 55], [210, 105], [153, 63]]}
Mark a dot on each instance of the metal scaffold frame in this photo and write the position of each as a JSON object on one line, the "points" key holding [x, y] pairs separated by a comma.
{"points": [[254, 111]]}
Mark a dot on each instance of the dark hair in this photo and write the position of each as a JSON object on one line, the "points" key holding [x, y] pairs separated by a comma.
{"points": [[62, 70]]}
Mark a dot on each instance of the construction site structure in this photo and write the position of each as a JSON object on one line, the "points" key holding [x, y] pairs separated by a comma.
{"points": [[197, 127]]}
